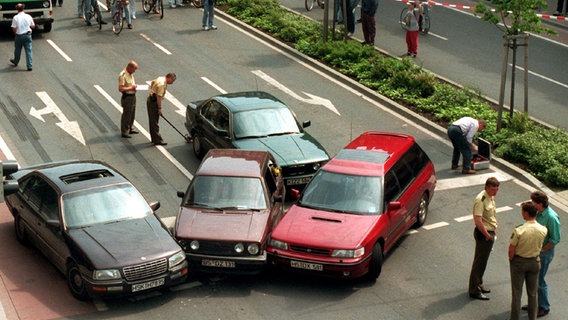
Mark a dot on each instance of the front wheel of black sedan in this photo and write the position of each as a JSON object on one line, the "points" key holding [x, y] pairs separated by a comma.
{"points": [[198, 146], [20, 229], [76, 282]]}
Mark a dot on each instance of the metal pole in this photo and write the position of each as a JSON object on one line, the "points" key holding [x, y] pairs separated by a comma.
{"points": [[513, 69], [503, 80], [527, 74]]}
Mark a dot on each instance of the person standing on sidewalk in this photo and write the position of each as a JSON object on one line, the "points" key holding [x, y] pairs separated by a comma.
{"points": [[524, 261], [368, 22], [461, 134], [127, 86], [22, 25], [158, 89], [412, 27], [548, 218], [484, 217]]}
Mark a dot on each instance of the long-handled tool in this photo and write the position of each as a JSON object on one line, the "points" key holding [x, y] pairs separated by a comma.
{"points": [[185, 136]]}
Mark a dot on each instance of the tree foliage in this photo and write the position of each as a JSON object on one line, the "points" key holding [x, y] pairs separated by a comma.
{"points": [[516, 16]]}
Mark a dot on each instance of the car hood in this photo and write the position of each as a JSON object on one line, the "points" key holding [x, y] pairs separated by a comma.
{"points": [[289, 149], [228, 225], [124, 242], [323, 229]]}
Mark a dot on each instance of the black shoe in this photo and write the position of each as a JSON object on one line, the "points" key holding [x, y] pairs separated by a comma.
{"points": [[162, 143], [542, 312], [12, 61], [104, 22], [89, 23], [525, 307], [478, 296], [133, 132], [126, 136], [29, 69], [483, 290]]}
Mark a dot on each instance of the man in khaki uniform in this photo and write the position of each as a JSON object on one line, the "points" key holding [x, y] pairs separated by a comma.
{"points": [[484, 211], [524, 250], [158, 89], [127, 86]]}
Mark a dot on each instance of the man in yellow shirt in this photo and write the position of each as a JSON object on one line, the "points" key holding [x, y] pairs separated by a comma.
{"points": [[127, 86], [158, 89]]}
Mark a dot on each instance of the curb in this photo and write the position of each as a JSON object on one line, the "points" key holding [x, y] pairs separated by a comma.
{"points": [[560, 199]]}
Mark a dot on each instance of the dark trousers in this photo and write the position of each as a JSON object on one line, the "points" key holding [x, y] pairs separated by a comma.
{"points": [[368, 24], [128, 102], [482, 251], [524, 270], [560, 6], [153, 117], [461, 146]]}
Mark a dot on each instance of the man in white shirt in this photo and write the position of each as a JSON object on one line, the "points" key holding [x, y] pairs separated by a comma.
{"points": [[461, 134], [22, 25]]}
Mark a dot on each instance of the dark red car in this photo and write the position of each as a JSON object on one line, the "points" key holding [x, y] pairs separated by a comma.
{"points": [[356, 207], [229, 210]]}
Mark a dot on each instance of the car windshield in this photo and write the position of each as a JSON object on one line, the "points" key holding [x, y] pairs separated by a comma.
{"points": [[343, 193], [103, 205], [235, 193], [264, 122]]}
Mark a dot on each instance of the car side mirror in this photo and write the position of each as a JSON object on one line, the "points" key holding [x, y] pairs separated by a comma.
{"points": [[393, 206], [223, 133], [54, 224], [180, 194], [295, 194], [155, 205], [306, 124]]}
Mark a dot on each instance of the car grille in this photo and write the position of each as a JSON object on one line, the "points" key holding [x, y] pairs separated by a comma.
{"points": [[322, 252], [146, 270], [219, 249], [298, 170]]}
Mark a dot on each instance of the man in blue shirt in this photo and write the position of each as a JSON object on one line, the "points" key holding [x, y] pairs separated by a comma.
{"points": [[548, 218]]}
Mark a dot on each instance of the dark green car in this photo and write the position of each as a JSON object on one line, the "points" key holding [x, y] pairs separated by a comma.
{"points": [[256, 121]]}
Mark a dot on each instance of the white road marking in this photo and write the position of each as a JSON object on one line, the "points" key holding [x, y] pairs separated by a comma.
{"points": [[435, 225], [214, 85], [70, 127], [542, 77], [63, 54], [145, 133], [157, 45], [462, 180], [313, 99], [470, 216]]}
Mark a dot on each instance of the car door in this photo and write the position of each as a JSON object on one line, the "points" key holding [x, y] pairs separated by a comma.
{"points": [[215, 125], [392, 193]]}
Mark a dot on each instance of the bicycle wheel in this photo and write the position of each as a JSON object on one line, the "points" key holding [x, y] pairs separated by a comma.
{"points": [[321, 3], [161, 8], [98, 16], [309, 4], [197, 3], [118, 19], [146, 6], [402, 17]]}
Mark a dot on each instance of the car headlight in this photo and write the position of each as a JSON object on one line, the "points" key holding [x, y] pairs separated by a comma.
{"points": [[316, 166], [277, 244], [253, 248], [108, 274], [342, 253], [45, 4], [194, 245], [176, 259], [239, 248]]}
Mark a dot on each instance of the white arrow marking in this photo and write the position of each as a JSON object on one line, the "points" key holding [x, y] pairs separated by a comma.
{"points": [[312, 100], [71, 127]]}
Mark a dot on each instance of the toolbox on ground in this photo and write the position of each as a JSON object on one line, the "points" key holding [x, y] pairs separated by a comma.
{"points": [[482, 158]]}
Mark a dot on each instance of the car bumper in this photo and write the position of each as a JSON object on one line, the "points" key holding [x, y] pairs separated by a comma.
{"points": [[226, 264], [344, 270], [100, 289]]}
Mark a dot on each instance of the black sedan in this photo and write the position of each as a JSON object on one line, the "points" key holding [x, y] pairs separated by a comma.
{"points": [[96, 228], [256, 121]]}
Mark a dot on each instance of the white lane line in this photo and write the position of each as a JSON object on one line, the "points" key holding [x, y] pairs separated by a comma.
{"points": [[145, 133], [435, 225], [470, 216], [156, 44], [63, 54], [469, 180], [542, 77], [214, 85]]}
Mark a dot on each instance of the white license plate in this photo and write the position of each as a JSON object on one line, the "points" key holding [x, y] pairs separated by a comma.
{"points": [[296, 181], [307, 266], [148, 285], [218, 263]]}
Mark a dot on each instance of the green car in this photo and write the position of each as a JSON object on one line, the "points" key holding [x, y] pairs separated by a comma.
{"points": [[40, 10], [256, 120]]}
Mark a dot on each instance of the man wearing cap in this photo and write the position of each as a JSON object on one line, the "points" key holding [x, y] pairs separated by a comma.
{"points": [[22, 25]]}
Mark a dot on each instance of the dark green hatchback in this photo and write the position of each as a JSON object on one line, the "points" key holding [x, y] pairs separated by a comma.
{"points": [[256, 120]]}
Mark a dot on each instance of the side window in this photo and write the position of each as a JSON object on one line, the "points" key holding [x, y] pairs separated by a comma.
{"points": [[391, 187], [269, 180], [41, 196], [223, 119], [417, 159], [216, 114]]}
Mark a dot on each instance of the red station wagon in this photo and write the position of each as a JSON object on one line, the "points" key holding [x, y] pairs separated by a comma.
{"points": [[228, 211], [355, 208]]}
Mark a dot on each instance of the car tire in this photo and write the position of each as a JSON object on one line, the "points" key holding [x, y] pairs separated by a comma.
{"points": [[20, 229], [76, 283], [376, 265], [422, 212], [198, 146]]}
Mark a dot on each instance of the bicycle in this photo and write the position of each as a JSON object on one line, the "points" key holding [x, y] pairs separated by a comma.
{"points": [[423, 19], [310, 4], [94, 11], [156, 5], [117, 16], [195, 3]]}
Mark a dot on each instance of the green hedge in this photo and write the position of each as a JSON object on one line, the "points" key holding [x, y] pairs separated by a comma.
{"points": [[538, 150]]}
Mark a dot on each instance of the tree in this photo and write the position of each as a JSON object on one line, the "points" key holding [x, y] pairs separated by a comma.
{"points": [[516, 18]]}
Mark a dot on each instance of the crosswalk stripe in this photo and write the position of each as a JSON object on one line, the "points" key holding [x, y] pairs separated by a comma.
{"points": [[470, 180]]}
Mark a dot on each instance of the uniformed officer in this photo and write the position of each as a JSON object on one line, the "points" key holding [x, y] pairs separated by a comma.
{"points": [[524, 249]]}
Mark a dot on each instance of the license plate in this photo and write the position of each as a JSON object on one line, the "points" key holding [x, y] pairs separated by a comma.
{"points": [[218, 263], [148, 285], [307, 266], [296, 181]]}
